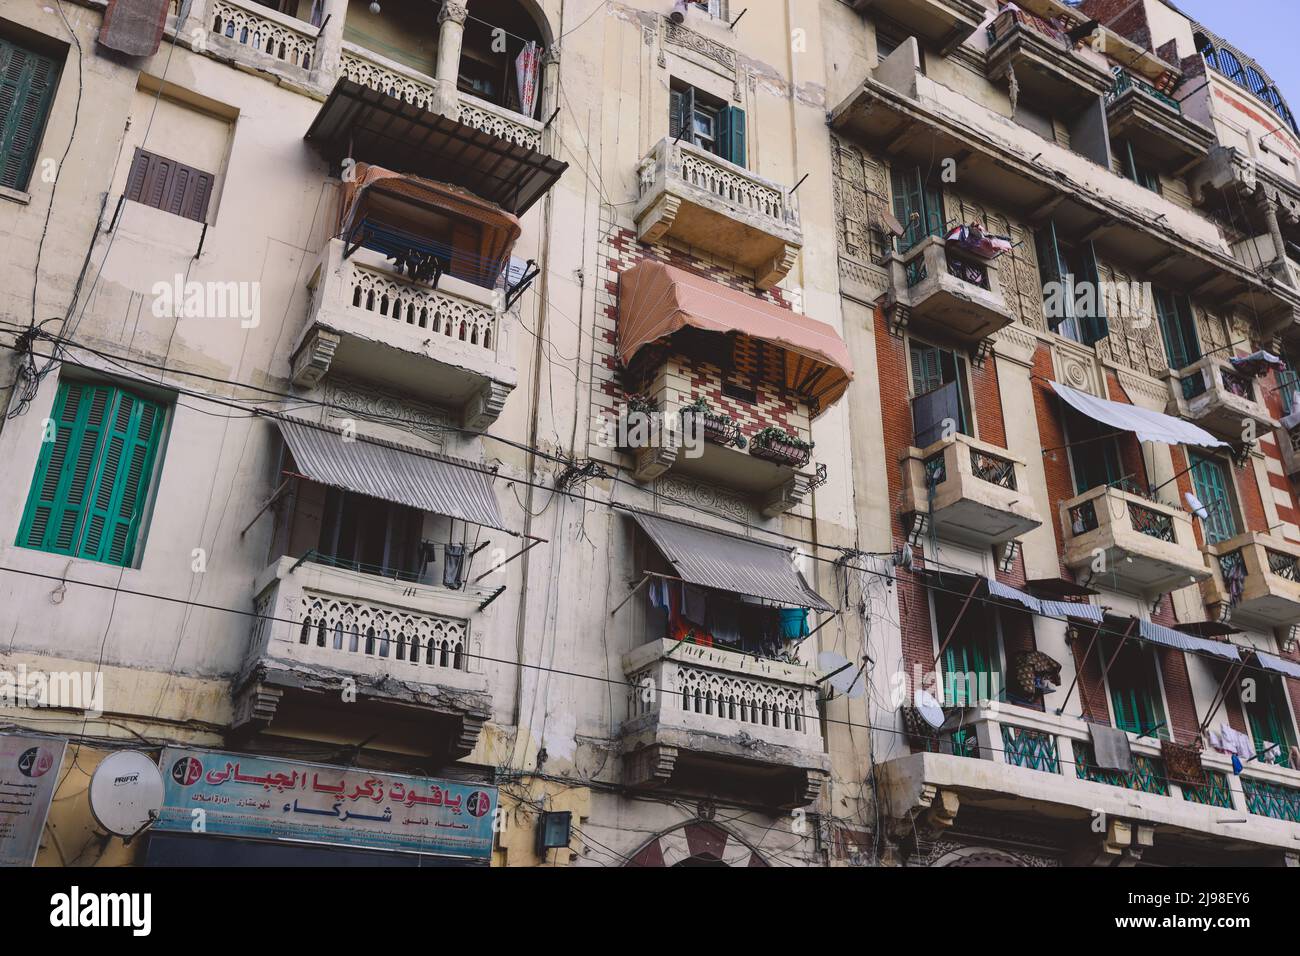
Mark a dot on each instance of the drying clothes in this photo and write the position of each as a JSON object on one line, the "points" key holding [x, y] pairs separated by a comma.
{"points": [[974, 239], [1235, 742], [1256, 363], [694, 604], [1110, 748], [658, 591], [453, 566], [1183, 764], [793, 622], [1270, 752], [724, 622]]}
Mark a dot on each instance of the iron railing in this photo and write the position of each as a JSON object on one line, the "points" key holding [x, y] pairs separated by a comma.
{"points": [[1271, 799], [1034, 749], [1238, 384], [1148, 774], [1150, 522], [1215, 793], [1232, 568], [967, 271], [1083, 517], [1125, 82], [1282, 564], [994, 470]]}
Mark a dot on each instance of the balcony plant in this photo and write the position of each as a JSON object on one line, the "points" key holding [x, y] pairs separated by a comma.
{"points": [[777, 445], [719, 427]]}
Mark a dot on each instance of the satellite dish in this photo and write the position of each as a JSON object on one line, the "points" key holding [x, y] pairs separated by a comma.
{"points": [[851, 681], [1195, 507], [126, 792], [930, 709]]}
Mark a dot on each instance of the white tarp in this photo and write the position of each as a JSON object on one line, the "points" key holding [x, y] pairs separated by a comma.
{"points": [[1146, 424]]}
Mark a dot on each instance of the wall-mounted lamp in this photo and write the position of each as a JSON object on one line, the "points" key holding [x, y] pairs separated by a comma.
{"points": [[553, 830]]}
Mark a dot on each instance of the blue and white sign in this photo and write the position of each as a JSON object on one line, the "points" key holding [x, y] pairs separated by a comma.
{"points": [[222, 794]]}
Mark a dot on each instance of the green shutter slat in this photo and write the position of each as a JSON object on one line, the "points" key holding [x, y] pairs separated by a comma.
{"points": [[27, 84], [731, 132], [1095, 326], [1050, 269], [122, 483], [1212, 488]]}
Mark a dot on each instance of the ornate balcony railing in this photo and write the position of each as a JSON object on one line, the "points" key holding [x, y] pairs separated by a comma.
{"points": [[936, 469], [1237, 384], [418, 305], [1125, 81], [1083, 517], [1215, 793], [1232, 567], [1269, 799], [968, 271], [1148, 773], [1150, 522], [1283, 565], [342, 627], [1008, 20], [1035, 749], [994, 470], [267, 31]]}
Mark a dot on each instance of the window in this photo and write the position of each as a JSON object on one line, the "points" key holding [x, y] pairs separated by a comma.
{"points": [[94, 477], [918, 205], [1072, 292], [941, 393], [1288, 384], [1137, 170], [1094, 452], [972, 659], [714, 8], [372, 535], [1178, 328], [1134, 679], [27, 84], [707, 122], [168, 185], [1270, 722], [1211, 480]]}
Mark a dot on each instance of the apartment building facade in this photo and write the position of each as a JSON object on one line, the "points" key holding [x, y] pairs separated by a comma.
{"points": [[580, 428]]}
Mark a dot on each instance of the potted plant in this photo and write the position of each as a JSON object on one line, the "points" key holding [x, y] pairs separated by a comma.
{"points": [[719, 427], [777, 445], [641, 402]]}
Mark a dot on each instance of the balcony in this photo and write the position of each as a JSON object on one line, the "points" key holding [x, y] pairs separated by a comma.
{"points": [[446, 344], [939, 23], [1289, 443], [707, 719], [938, 289], [1154, 124], [260, 36], [1214, 395], [411, 653], [1256, 580], [971, 490], [1038, 764], [1048, 70], [1148, 546], [694, 197]]}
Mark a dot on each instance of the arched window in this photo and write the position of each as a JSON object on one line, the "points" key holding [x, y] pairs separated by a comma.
{"points": [[1230, 66], [1257, 83], [1206, 49], [492, 64]]}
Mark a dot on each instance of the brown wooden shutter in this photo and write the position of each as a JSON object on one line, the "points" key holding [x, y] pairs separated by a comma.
{"points": [[168, 185]]}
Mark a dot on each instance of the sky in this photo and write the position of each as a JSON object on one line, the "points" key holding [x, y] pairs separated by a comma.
{"points": [[1264, 29]]}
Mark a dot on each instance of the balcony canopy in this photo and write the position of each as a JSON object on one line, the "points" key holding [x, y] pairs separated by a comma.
{"points": [[377, 198], [1278, 665], [980, 588], [1146, 424], [715, 559], [1154, 633], [379, 469], [362, 123], [656, 300]]}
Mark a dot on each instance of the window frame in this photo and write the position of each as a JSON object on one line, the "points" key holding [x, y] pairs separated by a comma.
{"points": [[1159, 703], [961, 375], [47, 97], [1232, 513]]}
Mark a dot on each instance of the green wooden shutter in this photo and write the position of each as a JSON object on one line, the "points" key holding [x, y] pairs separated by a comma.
{"points": [[1094, 327], [122, 482], [27, 84], [1212, 488], [675, 125], [1270, 722], [912, 195], [92, 479], [1135, 692], [1051, 269], [927, 368], [1178, 328], [731, 135]]}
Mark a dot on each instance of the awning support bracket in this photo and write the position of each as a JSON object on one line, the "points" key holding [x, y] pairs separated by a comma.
{"points": [[513, 292], [522, 551], [492, 597]]}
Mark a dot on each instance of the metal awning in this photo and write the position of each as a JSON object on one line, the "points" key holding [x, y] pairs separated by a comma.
{"points": [[1146, 424], [716, 559], [391, 472], [978, 586], [374, 127], [1168, 637], [1278, 665]]}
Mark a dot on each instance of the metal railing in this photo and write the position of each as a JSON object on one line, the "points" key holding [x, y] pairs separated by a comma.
{"points": [[1034, 749], [1268, 799], [1148, 774], [967, 271], [1151, 522], [1283, 565], [1125, 82], [1236, 383], [994, 470]]}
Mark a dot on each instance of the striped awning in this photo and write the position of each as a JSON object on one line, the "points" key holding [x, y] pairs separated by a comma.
{"points": [[1168, 637], [715, 559], [961, 583], [1278, 665], [392, 472]]}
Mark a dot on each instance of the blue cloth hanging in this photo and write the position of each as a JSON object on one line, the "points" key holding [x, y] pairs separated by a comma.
{"points": [[1236, 764]]}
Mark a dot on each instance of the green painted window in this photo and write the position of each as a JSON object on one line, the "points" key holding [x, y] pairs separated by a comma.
{"points": [[1135, 700], [918, 205], [1270, 721], [1094, 452], [933, 368], [1178, 328], [1136, 169], [972, 660], [1211, 481], [1072, 295], [27, 84], [1288, 383], [94, 474], [707, 122]]}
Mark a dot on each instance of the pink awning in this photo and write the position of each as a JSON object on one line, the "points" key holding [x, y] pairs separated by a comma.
{"points": [[656, 300]]}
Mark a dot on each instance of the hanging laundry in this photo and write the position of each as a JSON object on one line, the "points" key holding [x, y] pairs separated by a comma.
{"points": [[1235, 742], [694, 604], [1256, 363], [1110, 748], [974, 239], [793, 622], [526, 68], [452, 566]]}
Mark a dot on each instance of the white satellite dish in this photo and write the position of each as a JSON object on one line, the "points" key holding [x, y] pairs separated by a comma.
{"points": [[851, 681], [126, 792], [929, 708], [1195, 507]]}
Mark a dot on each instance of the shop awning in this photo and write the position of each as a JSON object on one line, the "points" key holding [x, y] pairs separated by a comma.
{"points": [[715, 559], [379, 469], [368, 125], [959, 584], [1168, 637], [1278, 665], [1146, 424], [655, 300]]}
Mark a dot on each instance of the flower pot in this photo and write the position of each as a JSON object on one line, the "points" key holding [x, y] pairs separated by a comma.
{"points": [[781, 452]]}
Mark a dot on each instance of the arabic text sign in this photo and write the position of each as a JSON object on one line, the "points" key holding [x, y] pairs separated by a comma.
{"points": [[29, 772], [264, 798]]}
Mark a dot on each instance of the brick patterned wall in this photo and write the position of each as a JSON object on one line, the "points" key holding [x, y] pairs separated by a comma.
{"points": [[622, 251]]}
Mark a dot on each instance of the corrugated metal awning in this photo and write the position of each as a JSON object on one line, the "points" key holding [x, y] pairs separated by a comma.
{"points": [[380, 469], [1278, 665], [1168, 637], [960, 584], [715, 559]]}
